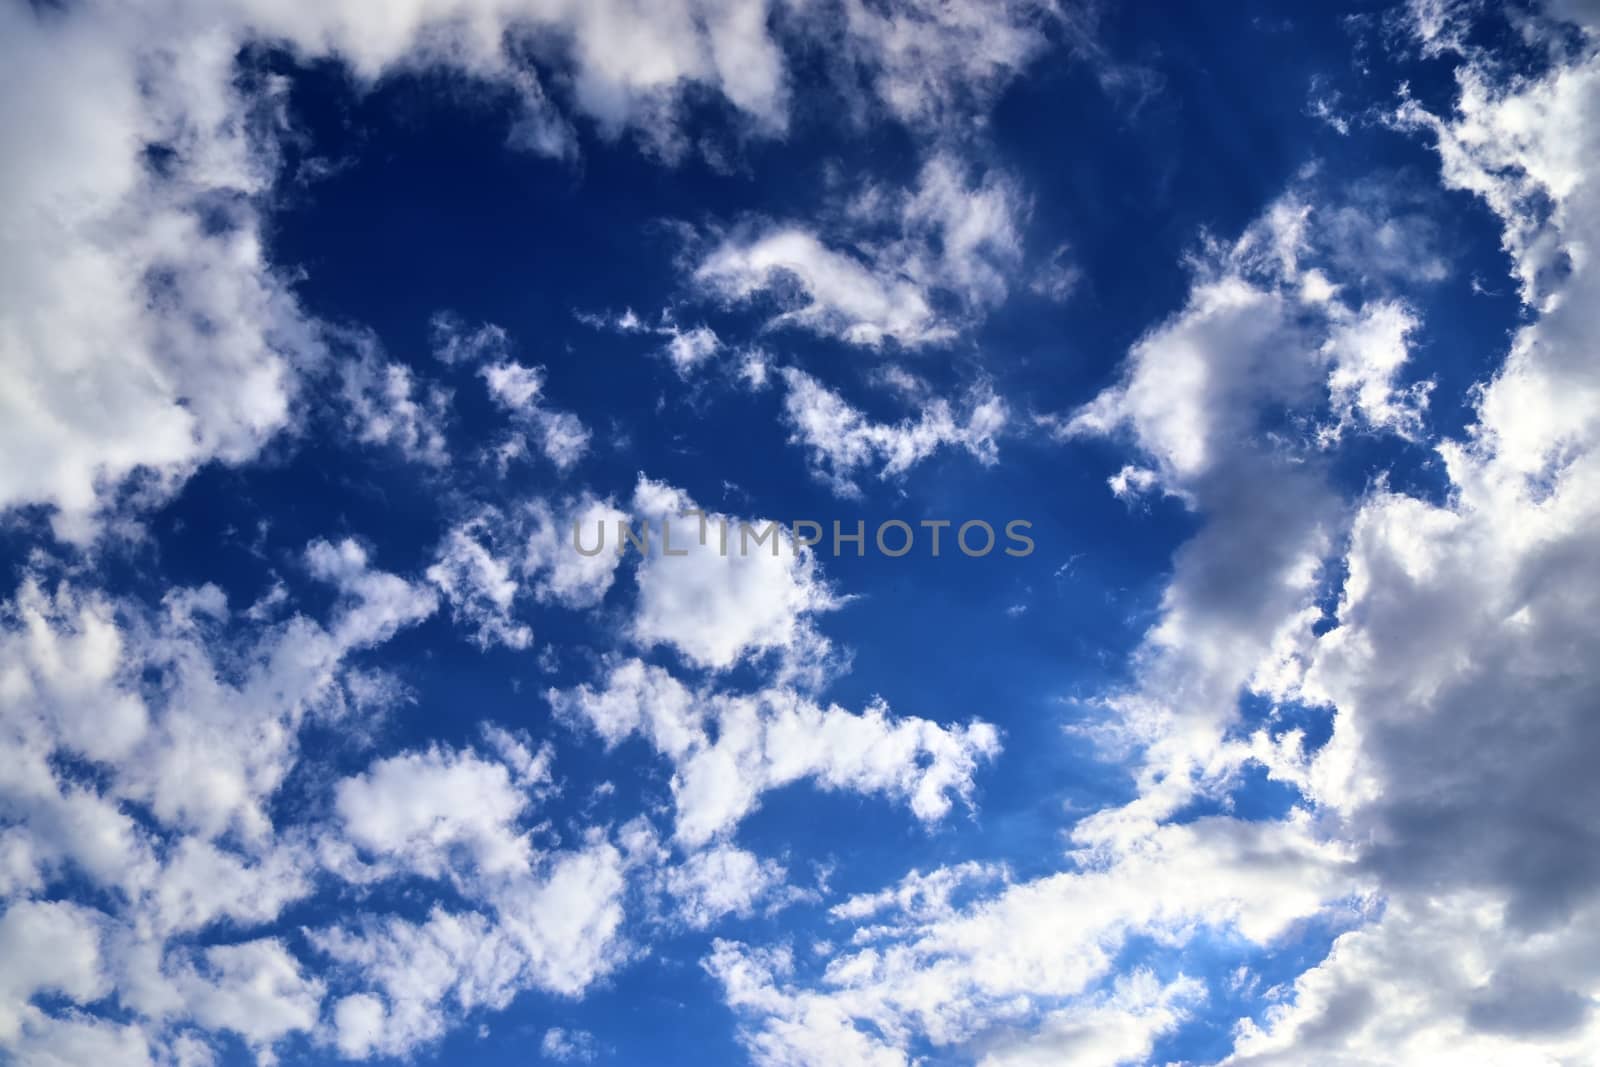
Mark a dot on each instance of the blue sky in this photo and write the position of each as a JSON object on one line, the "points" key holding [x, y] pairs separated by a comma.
{"points": [[323, 326]]}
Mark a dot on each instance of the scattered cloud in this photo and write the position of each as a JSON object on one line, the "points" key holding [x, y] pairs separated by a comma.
{"points": [[841, 441], [728, 749], [951, 240]]}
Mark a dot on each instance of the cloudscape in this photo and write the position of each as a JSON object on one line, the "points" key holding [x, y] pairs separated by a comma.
{"points": [[799, 533]]}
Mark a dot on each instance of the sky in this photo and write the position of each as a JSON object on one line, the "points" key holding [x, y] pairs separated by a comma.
{"points": [[1258, 336]]}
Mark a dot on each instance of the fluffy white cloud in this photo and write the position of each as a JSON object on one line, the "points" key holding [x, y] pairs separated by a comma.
{"points": [[559, 572], [486, 564], [1263, 332], [685, 349], [1456, 671], [954, 239], [841, 440], [547, 920], [689, 348], [1461, 664], [568, 1046], [386, 405], [146, 332], [454, 342], [721, 880], [424, 970], [932, 62], [479, 586], [140, 336], [725, 594], [202, 883], [1366, 353], [838, 294], [987, 971], [727, 749], [199, 726], [560, 435], [48, 947], [919, 896], [1120, 1026], [256, 990], [429, 810], [205, 851]]}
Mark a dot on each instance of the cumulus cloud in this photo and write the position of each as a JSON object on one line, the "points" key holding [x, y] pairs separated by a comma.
{"points": [[724, 595], [1449, 805], [718, 881], [517, 388], [552, 925], [201, 753], [1366, 353], [841, 440], [49, 947], [728, 749], [436, 812], [480, 586], [386, 404], [684, 348], [930, 63], [568, 1046], [145, 331], [953, 238], [146, 328], [454, 342], [945, 959], [192, 725], [927, 969], [488, 563], [1465, 619]]}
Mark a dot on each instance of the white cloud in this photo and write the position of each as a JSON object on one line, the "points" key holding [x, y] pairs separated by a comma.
{"points": [[1130, 483], [48, 947], [560, 435], [1457, 666], [721, 880], [931, 63], [256, 990], [722, 597], [424, 971], [689, 348], [479, 586], [841, 440], [376, 603], [919, 896], [1195, 383], [387, 406], [1366, 354], [489, 562], [560, 572], [139, 339], [952, 239], [454, 342], [1236, 614], [202, 883], [550, 921], [988, 972], [838, 294], [685, 349], [1119, 1027], [568, 1046], [199, 726], [1462, 657], [148, 331], [68, 1040], [728, 749], [437, 812]]}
